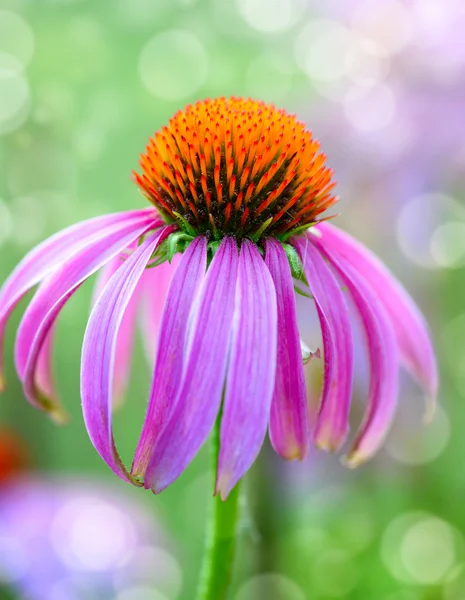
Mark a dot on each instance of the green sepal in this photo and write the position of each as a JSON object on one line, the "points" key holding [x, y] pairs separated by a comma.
{"points": [[185, 226], [294, 261], [297, 290], [178, 241], [288, 234]]}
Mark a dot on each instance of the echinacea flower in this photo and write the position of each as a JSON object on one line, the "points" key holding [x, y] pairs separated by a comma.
{"points": [[237, 189]]}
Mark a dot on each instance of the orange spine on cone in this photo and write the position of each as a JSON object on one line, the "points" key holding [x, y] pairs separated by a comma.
{"points": [[225, 157]]}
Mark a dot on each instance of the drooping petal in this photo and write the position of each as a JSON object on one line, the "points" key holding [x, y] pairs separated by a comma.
{"points": [[411, 330], [199, 395], [333, 419], [52, 296], [383, 356], [51, 253], [44, 372], [99, 349], [251, 373], [169, 361], [154, 289], [125, 341], [288, 419]]}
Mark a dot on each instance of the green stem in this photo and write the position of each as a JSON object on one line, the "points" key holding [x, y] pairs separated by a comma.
{"points": [[218, 558]]}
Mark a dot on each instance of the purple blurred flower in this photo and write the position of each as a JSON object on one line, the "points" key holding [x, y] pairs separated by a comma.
{"points": [[240, 207], [413, 51], [70, 538]]}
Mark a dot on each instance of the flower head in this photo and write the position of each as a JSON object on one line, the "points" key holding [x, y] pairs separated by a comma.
{"points": [[236, 167], [238, 190]]}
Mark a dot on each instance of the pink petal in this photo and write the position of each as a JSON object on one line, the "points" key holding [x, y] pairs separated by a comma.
{"points": [[169, 362], [411, 330], [125, 341], [99, 350], [383, 355], [50, 254], [288, 421], [333, 419], [199, 396], [44, 372], [252, 368], [154, 289], [53, 295]]}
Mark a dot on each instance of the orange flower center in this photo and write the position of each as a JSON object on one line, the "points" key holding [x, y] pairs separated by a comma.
{"points": [[235, 166]]}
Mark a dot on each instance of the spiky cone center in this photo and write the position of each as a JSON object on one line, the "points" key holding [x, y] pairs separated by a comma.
{"points": [[236, 167]]}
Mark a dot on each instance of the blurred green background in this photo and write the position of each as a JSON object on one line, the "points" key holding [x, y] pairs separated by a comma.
{"points": [[83, 84]]}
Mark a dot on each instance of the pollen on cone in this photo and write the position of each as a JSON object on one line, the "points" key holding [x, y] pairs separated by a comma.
{"points": [[236, 166]]}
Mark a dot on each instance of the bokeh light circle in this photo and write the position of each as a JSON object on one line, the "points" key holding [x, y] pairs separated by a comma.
{"points": [[429, 231], [370, 108], [54, 103], [6, 222], [420, 548], [40, 213], [173, 65], [271, 15], [153, 563], [421, 445], [14, 565], [334, 574], [310, 540], [270, 585], [29, 219], [262, 75], [357, 531], [141, 592], [42, 165], [428, 550], [16, 38], [142, 13], [93, 535], [335, 57], [431, 20], [88, 143], [14, 98], [448, 244], [366, 62], [388, 22], [454, 588], [320, 48]]}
